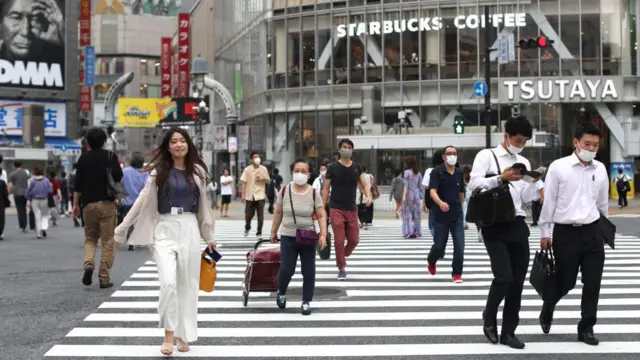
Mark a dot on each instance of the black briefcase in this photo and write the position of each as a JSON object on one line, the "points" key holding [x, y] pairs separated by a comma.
{"points": [[607, 231], [543, 275]]}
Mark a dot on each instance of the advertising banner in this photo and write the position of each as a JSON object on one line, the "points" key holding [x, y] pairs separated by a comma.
{"points": [[165, 67], [174, 73], [34, 60], [55, 117], [85, 23], [220, 138], [184, 54], [628, 171], [149, 113], [89, 65], [85, 99]]}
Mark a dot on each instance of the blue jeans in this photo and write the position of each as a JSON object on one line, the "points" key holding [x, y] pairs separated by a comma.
{"points": [[289, 251], [443, 226]]}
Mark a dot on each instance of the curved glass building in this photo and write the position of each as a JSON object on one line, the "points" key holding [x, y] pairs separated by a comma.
{"points": [[394, 75]]}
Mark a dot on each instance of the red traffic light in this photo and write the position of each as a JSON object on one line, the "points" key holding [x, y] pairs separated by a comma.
{"points": [[542, 42]]}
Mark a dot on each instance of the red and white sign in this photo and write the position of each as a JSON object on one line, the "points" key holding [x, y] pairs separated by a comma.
{"points": [[174, 73], [86, 100], [165, 67], [184, 53]]}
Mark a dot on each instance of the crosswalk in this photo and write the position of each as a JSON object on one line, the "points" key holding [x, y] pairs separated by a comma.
{"points": [[389, 308]]}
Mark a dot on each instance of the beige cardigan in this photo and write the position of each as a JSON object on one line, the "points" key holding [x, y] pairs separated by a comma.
{"points": [[144, 212]]}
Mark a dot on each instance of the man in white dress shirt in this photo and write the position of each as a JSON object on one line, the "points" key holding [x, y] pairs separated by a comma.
{"points": [[576, 194], [507, 243]]}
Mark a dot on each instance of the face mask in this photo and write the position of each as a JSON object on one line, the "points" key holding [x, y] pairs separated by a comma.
{"points": [[256, 161], [452, 159], [346, 154], [586, 155], [299, 178], [514, 149], [323, 173]]}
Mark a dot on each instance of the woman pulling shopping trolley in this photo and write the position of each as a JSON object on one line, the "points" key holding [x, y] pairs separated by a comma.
{"points": [[171, 215], [295, 206]]}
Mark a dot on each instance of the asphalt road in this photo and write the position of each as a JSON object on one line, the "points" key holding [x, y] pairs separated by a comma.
{"points": [[42, 299]]}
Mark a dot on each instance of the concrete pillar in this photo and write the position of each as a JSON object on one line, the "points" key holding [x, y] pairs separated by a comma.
{"points": [[433, 47], [623, 111], [33, 126]]}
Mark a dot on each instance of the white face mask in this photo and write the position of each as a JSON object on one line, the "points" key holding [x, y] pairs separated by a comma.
{"points": [[514, 149], [452, 159], [256, 161], [323, 172], [300, 179], [586, 155]]}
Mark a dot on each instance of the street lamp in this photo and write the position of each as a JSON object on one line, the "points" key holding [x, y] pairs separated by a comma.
{"points": [[199, 69]]}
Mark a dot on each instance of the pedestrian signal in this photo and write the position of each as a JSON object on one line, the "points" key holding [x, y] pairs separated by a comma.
{"points": [[458, 125]]}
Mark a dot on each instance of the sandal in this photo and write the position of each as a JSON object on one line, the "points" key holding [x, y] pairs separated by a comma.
{"points": [[166, 349], [182, 346]]}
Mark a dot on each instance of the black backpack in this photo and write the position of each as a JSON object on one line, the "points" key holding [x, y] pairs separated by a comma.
{"points": [[621, 184]]}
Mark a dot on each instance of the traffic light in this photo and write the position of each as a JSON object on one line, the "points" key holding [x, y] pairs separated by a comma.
{"points": [[458, 125], [540, 42]]}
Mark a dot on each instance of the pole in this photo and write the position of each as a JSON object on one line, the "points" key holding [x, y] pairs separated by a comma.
{"points": [[487, 77]]}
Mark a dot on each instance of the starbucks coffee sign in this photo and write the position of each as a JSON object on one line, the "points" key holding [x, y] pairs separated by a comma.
{"points": [[561, 89], [430, 24]]}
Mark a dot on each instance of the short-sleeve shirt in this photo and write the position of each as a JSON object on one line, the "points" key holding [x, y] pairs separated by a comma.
{"points": [[344, 185], [449, 186], [304, 207], [255, 191], [178, 192], [20, 181]]}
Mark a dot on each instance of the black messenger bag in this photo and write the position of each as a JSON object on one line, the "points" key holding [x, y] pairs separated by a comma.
{"points": [[493, 206]]}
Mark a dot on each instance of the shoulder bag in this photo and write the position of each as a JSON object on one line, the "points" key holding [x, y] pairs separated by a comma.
{"points": [[304, 236], [494, 206], [115, 190]]}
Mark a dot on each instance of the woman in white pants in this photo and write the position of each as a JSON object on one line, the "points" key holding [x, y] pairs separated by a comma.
{"points": [[36, 194], [171, 215]]}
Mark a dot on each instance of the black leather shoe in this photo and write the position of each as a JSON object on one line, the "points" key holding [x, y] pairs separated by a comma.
{"points": [[86, 277], [490, 329], [511, 341], [587, 337], [546, 317]]}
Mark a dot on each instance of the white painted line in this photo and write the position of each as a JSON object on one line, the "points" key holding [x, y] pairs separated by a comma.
{"points": [[146, 270], [378, 262], [472, 292], [424, 276], [409, 252], [380, 258], [291, 332], [357, 316], [337, 351], [395, 284], [215, 293], [366, 303]]}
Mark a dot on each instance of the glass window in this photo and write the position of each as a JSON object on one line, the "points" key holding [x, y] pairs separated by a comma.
{"points": [[143, 90], [119, 67], [153, 91], [324, 136], [469, 40], [410, 46], [570, 36], [339, 64], [393, 57], [308, 138], [324, 49], [373, 44], [308, 51], [591, 35], [156, 68], [100, 91], [270, 47], [432, 49], [144, 68], [279, 55], [549, 58], [450, 65], [293, 52]]}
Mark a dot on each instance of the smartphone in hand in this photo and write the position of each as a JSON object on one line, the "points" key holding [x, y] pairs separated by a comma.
{"points": [[213, 254]]}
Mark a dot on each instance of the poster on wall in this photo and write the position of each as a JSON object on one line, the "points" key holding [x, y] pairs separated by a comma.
{"points": [[614, 172], [32, 57], [55, 117]]}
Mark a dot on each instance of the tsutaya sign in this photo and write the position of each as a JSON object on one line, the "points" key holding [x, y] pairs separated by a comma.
{"points": [[561, 90], [430, 24]]}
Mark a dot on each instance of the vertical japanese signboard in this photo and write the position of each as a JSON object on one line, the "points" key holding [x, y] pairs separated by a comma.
{"points": [[174, 73], [165, 67], [84, 41], [184, 53], [89, 65]]}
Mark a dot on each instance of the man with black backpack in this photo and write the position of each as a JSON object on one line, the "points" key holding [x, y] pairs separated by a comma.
{"points": [[623, 187]]}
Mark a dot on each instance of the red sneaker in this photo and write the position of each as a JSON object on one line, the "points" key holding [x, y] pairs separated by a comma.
{"points": [[432, 269], [457, 279]]}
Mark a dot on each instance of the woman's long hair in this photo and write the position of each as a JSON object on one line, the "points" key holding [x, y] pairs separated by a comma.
{"points": [[162, 161], [411, 164]]}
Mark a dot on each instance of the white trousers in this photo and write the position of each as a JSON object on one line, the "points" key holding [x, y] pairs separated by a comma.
{"points": [[41, 214], [176, 251]]}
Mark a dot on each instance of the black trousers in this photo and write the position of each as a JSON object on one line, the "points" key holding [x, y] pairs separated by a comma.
{"points": [[536, 209], [21, 208], [508, 248], [622, 199], [579, 248]]}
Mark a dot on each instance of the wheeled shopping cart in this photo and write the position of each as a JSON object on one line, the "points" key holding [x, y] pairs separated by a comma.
{"points": [[263, 268]]}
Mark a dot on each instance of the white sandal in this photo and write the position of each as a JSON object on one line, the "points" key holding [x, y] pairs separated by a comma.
{"points": [[182, 346], [166, 349]]}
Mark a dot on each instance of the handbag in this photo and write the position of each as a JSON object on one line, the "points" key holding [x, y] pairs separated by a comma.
{"points": [[208, 273], [494, 206], [304, 236], [543, 275], [115, 190]]}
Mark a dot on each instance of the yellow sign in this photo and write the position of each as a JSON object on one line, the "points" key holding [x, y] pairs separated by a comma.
{"points": [[143, 113]]}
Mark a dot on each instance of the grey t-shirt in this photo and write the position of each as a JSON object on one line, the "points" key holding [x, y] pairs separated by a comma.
{"points": [[20, 181], [304, 208]]}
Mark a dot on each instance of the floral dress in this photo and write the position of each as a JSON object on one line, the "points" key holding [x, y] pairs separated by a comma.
{"points": [[411, 210]]}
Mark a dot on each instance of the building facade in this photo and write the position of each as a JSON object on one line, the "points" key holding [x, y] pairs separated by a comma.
{"points": [[308, 72]]}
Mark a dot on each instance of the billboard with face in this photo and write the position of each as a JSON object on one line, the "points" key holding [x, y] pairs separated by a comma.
{"points": [[32, 44]]}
